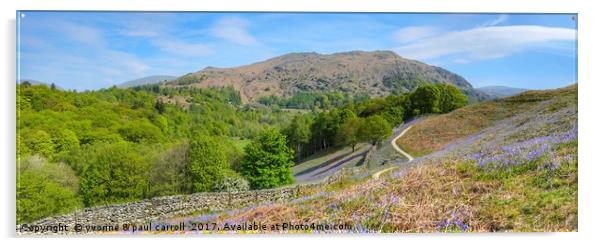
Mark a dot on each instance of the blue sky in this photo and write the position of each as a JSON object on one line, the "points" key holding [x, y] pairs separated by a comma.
{"points": [[91, 50]]}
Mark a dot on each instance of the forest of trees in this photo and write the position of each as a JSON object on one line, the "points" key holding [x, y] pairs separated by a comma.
{"points": [[313, 100], [367, 120], [118, 145], [80, 149]]}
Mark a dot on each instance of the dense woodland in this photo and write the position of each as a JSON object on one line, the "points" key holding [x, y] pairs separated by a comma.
{"points": [[80, 149]]}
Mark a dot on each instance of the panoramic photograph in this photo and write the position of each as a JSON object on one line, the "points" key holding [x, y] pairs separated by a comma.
{"points": [[137, 123]]}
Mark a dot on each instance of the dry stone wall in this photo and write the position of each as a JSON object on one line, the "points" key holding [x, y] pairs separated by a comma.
{"points": [[160, 208]]}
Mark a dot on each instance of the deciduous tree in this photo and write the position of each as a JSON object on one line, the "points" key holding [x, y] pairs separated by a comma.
{"points": [[268, 161], [207, 162], [349, 132], [374, 129]]}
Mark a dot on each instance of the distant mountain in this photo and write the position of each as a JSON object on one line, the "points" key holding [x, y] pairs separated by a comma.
{"points": [[147, 80], [501, 91], [37, 82], [377, 73]]}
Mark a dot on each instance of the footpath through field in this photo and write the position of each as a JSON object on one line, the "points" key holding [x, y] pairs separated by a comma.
{"points": [[394, 144]]}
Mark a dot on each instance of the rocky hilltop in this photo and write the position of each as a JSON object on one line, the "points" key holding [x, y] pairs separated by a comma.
{"points": [[376, 73]]}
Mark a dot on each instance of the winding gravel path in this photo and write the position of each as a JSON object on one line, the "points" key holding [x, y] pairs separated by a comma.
{"points": [[393, 142]]}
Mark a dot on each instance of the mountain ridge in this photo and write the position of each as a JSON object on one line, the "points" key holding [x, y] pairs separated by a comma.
{"points": [[376, 73], [38, 82], [499, 91], [153, 79]]}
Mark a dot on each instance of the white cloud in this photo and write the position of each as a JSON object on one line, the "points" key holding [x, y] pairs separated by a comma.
{"points": [[485, 42], [87, 59], [130, 63], [413, 33], [182, 48], [498, 20], [76, 71], [140, 33], [79, 33], [142, 28], [234, 30]]}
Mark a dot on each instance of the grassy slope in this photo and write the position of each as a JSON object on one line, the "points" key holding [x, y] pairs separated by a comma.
{"points": [[434, 132], [319, 159], [536, 193]]}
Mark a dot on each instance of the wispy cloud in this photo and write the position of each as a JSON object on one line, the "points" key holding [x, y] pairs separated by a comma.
{"points": [[93, 37], [500, 19], [82, 48], [83, 34], [94, 50], [182, 48], [139, 33], [142, 27], [485, 42], [233, 29], [127, 61], [413, 33]]}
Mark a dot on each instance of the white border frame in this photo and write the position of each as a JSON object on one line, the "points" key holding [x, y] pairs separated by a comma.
{"points": [[589, 115]]}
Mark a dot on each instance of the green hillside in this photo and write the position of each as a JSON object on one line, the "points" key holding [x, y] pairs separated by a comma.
{"points": [[518, 173], [117, 145], [432, 133]]}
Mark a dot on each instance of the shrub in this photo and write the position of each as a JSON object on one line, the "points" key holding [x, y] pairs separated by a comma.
{"points": [[232, 182]]}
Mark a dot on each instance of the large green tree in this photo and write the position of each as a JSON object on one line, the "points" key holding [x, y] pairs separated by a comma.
{"points": [[65, 140], [268, 161], [451, 98], [115, 172], [298, 134], [374, 129], [168, 171], [142, 131], [425, 99], [349, 132], [40, 142], [207, 162]]}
